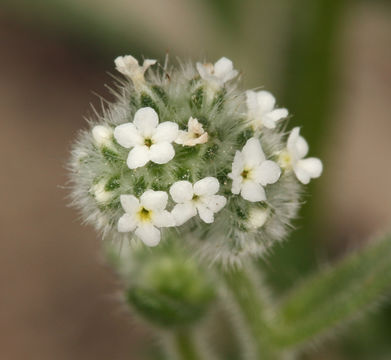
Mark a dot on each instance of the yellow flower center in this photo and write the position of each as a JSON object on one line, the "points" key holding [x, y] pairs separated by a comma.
{"points": [[144, 214]]}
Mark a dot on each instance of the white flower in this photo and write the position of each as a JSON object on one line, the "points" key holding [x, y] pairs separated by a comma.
{"points": [[102, 135], [293, 158], [261, 111], [150, 140], [218, 74], [257, 218], [128, 66], [195, 134], [145, 216], [99, 193], [251, 171], [198, 197]]}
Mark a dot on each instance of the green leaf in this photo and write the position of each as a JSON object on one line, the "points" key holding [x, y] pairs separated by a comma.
{"points": [[335, 295]]}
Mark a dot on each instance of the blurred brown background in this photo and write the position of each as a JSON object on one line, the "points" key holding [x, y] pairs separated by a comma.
{"points": [[58, 299]]}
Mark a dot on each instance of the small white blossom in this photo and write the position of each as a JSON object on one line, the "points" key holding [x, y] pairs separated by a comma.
{"points": [[194, 135], [218, 74], [128, 66], [293, 158], [257, 218], [145, 216], [102, 135], [150, 140], [99, 193], [261, 111], [198, 197], [251, 172]]}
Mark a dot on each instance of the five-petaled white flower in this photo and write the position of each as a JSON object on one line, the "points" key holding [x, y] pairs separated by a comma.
{"points": [[198, 197], [150, 140], [194, 135], [293, 158], [261, 111], [102, 135], [218, 74], [145, 215], [251, 172], [128, 66]]}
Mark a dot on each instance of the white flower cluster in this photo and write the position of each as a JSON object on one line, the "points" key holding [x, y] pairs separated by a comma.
{"points": [[163, 153], [149, 213]]}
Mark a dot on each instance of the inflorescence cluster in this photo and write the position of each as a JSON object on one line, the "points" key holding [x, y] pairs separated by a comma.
{"points": [[185, 153]]}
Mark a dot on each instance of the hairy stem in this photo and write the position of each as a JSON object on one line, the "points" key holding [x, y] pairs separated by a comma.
{"points": [[253, 308]]}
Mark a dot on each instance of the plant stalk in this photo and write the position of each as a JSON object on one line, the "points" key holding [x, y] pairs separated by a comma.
{"points": [[251, 303]]}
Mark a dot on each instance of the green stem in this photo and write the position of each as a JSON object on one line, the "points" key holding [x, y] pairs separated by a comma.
{"points": [[254, 310], [185, 346]]}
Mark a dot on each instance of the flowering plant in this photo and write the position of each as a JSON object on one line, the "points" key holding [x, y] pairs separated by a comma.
{"points": [[184, 162]]}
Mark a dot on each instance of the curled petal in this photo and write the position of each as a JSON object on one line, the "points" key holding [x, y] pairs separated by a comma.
{"points": [[206, 186], [146, 120], [129, 203], [148, 234], [308, 169], [183, 212], [296, 144], [181, 191], [126, 223], [154, 200], [253, 192], [138, 157], [165, 132], [161, 153], [127, 135]]}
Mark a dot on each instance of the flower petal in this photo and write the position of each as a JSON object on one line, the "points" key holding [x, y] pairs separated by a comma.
{"points": [[138, 157], [163, 219], [296, 144], [206, 214], [278, 114], [148, 234], [154, 200], [308, 168], [129, 203], [253, 192], [165, 132], [253, 153], [161, 153], [127, 135], [236, 185], [183, 212], [204, 69], [223, 69], [266, 101], [206, 186], [126, 223], [237, 166], [267, 173], [146, 120], [181, 191], [215, 202]]}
